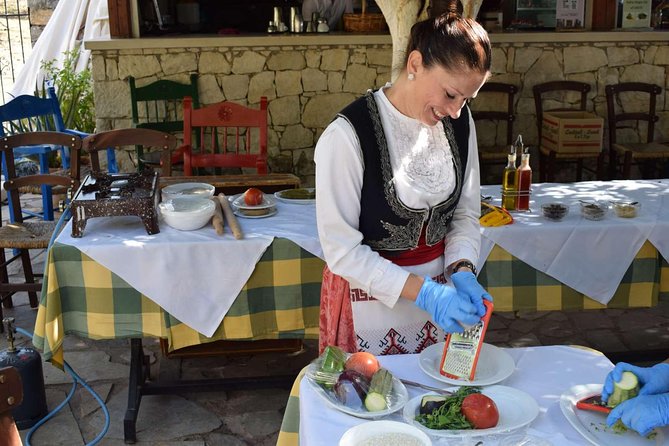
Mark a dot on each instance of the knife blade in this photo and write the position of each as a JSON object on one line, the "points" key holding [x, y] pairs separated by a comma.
{"points": [[438, 390]]}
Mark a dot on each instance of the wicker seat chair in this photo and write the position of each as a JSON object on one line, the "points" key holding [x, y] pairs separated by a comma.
{"points": [[23, 235], [495, 122], [623, 117]]}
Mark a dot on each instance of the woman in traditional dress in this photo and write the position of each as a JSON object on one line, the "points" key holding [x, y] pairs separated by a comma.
{"points": [[397, 181]]}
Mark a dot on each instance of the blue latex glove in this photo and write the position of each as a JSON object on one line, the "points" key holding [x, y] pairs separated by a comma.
{"points": [[643, 413], [447, 306], [466, 283], [652, 380]]}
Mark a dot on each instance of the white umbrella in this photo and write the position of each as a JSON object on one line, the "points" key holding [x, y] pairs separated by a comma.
{"points": [[71, 22]]}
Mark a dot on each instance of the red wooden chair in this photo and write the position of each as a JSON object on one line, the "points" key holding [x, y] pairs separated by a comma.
{"points": [[231, 136]]}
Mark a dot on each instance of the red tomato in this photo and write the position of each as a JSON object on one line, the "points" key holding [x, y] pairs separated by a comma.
{"points": [[480, 410], [253, 196], [363, 362]]}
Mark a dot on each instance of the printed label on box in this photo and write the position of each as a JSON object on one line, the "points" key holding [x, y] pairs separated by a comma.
{"points": [[572, 132]]}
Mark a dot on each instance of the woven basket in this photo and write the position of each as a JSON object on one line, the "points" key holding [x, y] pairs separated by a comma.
{"points": [[364, 22]]}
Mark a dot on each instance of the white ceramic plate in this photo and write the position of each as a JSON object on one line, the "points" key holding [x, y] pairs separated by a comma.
{"points": [[239, 213], [267, 202], [592, 425], [398, 398], [370, 429], [516, 409], [494, 365], [281, 196]]}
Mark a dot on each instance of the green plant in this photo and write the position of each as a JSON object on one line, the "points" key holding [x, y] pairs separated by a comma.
{"points": [[74, 90]]}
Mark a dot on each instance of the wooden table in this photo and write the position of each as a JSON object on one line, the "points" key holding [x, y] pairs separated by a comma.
{"points": [[233, 184]]}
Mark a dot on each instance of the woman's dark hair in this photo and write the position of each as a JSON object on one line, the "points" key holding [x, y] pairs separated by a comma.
{"points": [[451, 41]]}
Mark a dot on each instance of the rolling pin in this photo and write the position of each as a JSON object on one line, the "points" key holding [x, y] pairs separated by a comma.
{"points": [[217, 219], [230, 216]]}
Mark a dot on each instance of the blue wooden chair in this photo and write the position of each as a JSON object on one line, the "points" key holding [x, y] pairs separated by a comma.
{"points": [[27, 113]]}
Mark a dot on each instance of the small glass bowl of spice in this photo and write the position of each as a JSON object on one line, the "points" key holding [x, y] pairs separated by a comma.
{"points": [[592, 210], [626, 209], [554, 211]]}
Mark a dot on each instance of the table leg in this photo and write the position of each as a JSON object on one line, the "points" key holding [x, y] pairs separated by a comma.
{"points": [[140, 385], [135, 384]]}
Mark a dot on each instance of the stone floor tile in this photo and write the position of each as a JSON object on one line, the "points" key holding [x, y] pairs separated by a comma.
{"points": [[161, 417], [61, 430], [90, 366]]}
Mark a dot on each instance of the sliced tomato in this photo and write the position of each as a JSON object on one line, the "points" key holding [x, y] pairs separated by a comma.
{"points": [[480, 410]]}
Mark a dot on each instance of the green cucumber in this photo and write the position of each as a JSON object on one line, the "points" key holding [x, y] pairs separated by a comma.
{"points": [[623, 390], [626, 388], [380, 388]]}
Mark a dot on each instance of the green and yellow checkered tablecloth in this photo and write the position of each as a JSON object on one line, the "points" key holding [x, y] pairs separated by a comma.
{"points": [[80, 296], [281, 298], [516, 286]]}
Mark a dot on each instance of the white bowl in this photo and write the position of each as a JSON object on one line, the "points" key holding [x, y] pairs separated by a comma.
{"points": [[187, 213], [382, 430], [202, 190]]}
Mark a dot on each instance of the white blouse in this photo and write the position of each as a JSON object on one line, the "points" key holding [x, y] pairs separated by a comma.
{"points": [[423, 176]]}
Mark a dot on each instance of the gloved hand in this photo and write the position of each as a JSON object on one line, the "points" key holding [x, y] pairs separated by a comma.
{"points": [[652, 380], [447, 306], [466, 283], [642, 413]]}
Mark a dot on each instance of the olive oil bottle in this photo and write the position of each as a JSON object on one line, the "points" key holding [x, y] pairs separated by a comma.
{"points": [[509, 186]]}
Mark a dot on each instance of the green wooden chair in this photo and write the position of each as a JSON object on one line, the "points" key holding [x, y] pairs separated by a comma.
{"points": [[158, 106]]}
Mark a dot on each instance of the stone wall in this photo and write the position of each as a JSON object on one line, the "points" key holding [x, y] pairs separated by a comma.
{"points": [[596, 64], [307, 85]]}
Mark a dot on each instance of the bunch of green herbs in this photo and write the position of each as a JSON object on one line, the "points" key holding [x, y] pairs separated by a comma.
{"points": [[73, 89], [449, 415]]}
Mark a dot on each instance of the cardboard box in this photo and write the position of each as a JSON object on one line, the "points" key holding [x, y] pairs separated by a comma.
{"points": [[572, 131]]}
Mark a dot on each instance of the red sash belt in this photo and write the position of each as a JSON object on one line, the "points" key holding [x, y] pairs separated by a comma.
{"points": [[417, 256]]}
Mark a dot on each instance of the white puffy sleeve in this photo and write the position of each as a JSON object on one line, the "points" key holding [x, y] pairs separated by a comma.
{"points": [[339, 177]]}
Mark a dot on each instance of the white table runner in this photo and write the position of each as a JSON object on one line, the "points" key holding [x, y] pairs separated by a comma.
{"points": [[588, 256]]}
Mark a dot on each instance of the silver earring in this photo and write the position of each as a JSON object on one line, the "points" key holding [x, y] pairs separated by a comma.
{"points": [[411, 76]]}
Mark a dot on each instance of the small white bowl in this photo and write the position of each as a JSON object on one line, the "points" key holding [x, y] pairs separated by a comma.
{"points": [[202, 190], [382, 431], [187, 213]]}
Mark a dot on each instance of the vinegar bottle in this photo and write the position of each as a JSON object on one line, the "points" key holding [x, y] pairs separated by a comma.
{"points": [[509, 188], [523, 182]]}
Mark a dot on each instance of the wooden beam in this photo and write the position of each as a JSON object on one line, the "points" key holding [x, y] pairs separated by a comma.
{"points": [[119, 18]]}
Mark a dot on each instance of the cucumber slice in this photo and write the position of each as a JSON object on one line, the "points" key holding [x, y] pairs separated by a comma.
{"points": [[375, 402]]}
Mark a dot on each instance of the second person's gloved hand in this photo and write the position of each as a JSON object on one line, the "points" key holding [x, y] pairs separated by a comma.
{"points": [[652, 380], [642, 413], [467, 283], [447, 306]]}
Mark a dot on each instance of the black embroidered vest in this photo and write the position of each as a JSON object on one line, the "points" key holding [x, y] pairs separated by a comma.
{"points": [[385, 222]]}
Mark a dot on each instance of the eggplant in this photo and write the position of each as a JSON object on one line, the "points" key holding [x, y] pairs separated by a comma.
{"points": [[351, 389], [430, 403]]}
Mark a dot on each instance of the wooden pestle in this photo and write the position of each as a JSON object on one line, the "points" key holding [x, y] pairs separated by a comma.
{"points": [[230, 216]]}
